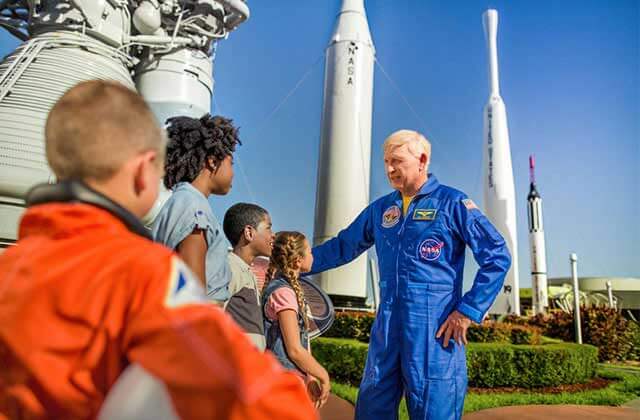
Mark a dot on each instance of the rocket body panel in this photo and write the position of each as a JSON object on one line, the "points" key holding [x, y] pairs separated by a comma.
{"points": [[498, 170], [538, 272], [499, 198], [345, 147], [499, 189], [538, 252], [345, 143]]}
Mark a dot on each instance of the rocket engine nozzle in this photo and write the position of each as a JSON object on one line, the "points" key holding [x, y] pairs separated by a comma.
{"points": [[162, 48]]}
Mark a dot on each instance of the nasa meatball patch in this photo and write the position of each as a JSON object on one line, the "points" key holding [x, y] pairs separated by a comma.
{"points": [[430, 249], [391, 217], [183, 287]]}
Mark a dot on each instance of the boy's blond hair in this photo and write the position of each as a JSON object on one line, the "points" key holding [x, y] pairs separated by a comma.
{"points": [[416, 142], [95, 127]]}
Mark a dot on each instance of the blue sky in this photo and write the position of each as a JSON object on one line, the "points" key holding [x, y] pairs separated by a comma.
{"points": [[570, 79]]}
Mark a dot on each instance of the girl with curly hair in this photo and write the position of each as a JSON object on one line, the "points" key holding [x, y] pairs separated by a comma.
{"points": [[198, 163], [285, 311]]}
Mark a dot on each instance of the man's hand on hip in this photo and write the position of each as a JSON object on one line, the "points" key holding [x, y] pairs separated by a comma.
{"points": [[454, 327]]}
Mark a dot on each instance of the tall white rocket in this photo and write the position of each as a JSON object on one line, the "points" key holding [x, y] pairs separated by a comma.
{"points": [[499, 190], [536, 244], [345, 145]]}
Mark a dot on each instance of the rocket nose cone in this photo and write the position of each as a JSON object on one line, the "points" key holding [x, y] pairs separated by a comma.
{"points": [[352, 24], [490, 21], [490, 15], [352, 6]]}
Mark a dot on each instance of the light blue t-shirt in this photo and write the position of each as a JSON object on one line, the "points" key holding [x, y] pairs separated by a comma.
{"points": [[186, 210]]}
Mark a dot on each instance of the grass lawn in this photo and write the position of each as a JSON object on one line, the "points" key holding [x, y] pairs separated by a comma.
{"points": [[625, 389]]}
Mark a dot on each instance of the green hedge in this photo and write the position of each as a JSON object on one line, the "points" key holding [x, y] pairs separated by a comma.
{"points": [[343, 358], [489, 365], [495, 365]]}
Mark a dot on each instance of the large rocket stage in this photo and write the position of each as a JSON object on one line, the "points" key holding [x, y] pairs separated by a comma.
{"points": [[499, 190], [345, 145]]}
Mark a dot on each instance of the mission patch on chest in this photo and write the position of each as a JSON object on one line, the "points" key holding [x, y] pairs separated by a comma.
{"points": [[424, 214]]}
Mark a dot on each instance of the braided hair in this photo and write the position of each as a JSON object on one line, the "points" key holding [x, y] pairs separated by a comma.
{"points": [[192, 141], [287, 247]]}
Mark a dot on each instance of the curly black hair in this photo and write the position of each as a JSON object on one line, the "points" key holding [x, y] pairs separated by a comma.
{"points": [[192, 141]]}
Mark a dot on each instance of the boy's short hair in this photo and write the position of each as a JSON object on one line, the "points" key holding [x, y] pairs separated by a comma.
{"points": [[238, 217], [95, 127]]}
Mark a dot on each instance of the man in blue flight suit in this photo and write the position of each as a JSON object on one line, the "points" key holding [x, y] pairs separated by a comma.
{"points": [[420, 232]]}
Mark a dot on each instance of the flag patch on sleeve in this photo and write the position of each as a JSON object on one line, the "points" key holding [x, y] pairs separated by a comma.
{"points": [[469, 204]]}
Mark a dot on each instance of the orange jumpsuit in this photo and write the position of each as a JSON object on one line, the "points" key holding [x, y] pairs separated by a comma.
{"points": [[81, 298]]}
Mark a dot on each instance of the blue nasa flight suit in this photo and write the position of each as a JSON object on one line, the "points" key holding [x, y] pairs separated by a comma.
{"points": [[421, 260]]}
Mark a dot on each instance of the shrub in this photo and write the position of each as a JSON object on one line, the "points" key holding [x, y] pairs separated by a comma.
{"points": [[501, 332], [488, 364], [634, 352], [556, 324], [602, 327], [356, 325], [608, 330], [489, 332], [523, 334]]}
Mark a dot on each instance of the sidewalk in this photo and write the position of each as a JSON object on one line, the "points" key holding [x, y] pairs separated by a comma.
{"points": [[337, 409], [556, 412]]}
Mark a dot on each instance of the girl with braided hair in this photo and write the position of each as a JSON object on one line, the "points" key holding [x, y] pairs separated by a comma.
{"points": [[198, 163], [285, 310]]}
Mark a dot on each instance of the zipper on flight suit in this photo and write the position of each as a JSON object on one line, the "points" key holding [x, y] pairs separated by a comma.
{"points": [[404, 221]]}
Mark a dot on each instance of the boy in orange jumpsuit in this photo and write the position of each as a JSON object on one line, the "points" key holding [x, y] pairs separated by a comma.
{"points": [[84, 294]]}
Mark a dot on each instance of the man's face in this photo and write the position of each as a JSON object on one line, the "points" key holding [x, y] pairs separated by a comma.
{"points": [[263, 237], [403, 167]]}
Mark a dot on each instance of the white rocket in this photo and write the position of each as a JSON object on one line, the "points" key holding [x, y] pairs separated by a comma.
{"points": [[345, 145], [536, 243], [499, 190]]}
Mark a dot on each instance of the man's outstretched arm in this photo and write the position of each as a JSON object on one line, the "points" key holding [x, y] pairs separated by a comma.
{"points": [[346, 246]]}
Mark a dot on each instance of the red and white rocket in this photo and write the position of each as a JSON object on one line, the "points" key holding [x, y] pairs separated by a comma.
{"points": [[536, 243]]}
